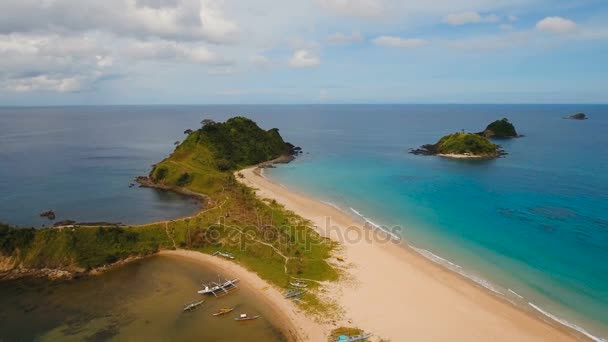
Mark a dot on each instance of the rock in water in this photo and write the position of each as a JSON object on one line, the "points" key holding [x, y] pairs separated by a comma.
{"points": [[48, 214], [578, 116]]}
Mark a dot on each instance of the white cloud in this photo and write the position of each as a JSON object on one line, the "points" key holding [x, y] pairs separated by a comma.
{"points": [[512, 18], [354, 8], [57, 83], [556, 25], [506, 27], [470, 17], [398, 42], [304, 59], [260, 61], [175, 19], [340, 38]]}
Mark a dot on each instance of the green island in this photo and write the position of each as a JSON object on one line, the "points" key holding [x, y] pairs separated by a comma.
{"points": [[263, 236], [461, 145], [500, 129]]}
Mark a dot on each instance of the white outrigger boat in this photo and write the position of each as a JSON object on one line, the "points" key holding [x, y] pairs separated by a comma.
{"points": [[224, 254], [219, 289], [298, 284], [192, 306]]}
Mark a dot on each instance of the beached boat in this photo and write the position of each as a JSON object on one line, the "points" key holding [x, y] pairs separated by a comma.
{"points": [[245, 317], [224, 254], [344, 338], [294, 293], [223, 311], [298, 284], [193, 305]]}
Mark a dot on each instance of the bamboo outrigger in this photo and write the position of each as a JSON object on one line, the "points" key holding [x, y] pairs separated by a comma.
{"points": [[245, 317], [224, 254], [221, 288], [294, 293], [192, 306]]}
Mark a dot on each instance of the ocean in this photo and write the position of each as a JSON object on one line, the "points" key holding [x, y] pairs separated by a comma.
{"points": [[531, 227]]}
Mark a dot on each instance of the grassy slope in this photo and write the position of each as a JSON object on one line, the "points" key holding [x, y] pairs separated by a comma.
{"points": [[266, 238], [461, 143]]}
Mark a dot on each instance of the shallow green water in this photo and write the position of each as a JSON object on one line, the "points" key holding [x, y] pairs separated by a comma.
{"points": [[141, 301]]}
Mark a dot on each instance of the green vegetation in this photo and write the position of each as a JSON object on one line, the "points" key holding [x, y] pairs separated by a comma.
{"points": [[262, 235], [500, 129], [466, 144], [343, 331]]}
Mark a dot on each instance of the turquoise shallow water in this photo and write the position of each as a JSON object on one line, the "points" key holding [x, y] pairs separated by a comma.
{"points": [[535, 222]]}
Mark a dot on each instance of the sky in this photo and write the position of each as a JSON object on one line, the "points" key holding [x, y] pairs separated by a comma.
{"points": [[78, 52]]}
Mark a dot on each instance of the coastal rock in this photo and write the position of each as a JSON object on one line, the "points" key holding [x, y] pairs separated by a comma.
{"points": [[577, 116], [48, 214]]}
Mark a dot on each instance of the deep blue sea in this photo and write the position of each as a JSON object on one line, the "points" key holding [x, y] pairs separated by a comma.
{"points": [[532, 227]]}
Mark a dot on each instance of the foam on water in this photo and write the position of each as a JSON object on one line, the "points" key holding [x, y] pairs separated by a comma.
{"points": [[568, 324], [392, 235], [456, 268], [515, 293]]}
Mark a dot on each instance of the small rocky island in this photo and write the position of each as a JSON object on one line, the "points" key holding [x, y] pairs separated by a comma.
{"points": [[577, 116], [501, 129], [461, 145]]}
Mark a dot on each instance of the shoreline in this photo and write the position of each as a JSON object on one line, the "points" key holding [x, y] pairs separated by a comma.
{"points": [[294, 323], [434, 302]]}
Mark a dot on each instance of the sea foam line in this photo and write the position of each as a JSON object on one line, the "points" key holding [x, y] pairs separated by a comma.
{"points": [[568, 324], [456, 268], [515, 293], [377, 226], [332, 205]]}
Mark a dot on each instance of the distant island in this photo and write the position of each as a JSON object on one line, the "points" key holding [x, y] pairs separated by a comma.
{"points": [[577, 116], [500, 129], [461, 145]]}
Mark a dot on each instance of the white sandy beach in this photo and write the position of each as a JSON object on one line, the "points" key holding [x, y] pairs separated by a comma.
{"points": [[396, 294]]}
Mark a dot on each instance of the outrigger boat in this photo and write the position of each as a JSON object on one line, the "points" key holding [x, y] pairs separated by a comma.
{"points": [[223, 311], [192, 306], [219, 289], [224, 254], [344, 338], [298, 284], [245, 317], [294, 293]]}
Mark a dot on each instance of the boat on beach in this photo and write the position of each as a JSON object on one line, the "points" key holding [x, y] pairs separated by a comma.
{"points": [[344, 338], [223, 254], [223, 311], [245, 317], [294, 293], [192, 306], [298, 284]]}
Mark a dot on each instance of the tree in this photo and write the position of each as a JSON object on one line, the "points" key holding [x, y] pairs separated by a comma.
{"points": [[207, 122]]}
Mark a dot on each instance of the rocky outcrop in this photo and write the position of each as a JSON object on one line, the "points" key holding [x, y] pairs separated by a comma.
{"points": [[48, 214], [577, 116]]}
